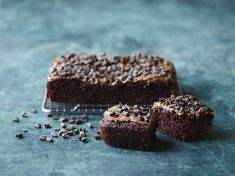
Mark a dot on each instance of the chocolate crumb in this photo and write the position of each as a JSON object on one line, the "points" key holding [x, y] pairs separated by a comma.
{"points": [[38, 126], [47, 125], [16, 119], [42, 138], [49, 115], [89, 125], [48, 139], [24, 115], [25, 130], [19, 135], [84, 139]]}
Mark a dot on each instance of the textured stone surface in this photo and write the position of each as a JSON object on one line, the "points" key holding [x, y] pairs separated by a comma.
{"points": [[198, 36]]}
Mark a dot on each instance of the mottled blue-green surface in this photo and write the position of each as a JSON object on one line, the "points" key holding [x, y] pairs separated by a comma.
{"points": [[198, 36]]}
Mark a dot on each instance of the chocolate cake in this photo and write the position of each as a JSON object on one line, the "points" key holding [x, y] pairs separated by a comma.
{"points": [[183, 117], [128, 127], [91, 79]]}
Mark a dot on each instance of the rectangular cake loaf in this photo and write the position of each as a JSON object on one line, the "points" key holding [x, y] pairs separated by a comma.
{"points": [[91, 79]]}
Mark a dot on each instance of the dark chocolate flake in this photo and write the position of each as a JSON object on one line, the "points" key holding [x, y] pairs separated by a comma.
{"points": [[16, 119], [19, 135]]}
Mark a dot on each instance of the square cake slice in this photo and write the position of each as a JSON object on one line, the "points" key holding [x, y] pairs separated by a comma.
{"points": [[91, 79], [183, 117], [128, 127]]}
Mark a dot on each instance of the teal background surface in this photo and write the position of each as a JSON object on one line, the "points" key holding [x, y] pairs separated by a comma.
{"points": [[198, 36]]}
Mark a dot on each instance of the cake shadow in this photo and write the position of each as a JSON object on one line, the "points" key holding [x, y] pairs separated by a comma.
{"points": [[163, 143]]}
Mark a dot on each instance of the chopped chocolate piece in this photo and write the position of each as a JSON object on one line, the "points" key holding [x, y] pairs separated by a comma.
{"points": [[42, 138], [37, 125], [150, 77], [19, 135], [25, 130], [24, 115], [48, 139], [62, 131], [49, 115], [54, 135], [16, 119], [82, 134], [70, 133], [89, 125], [113, 114], [183, 117], [84, 139], [65, 136], [63, 125], [75, 131], [47, 125], [33, 110]]}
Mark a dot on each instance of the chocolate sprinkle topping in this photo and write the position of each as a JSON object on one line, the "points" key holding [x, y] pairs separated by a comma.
{"points": [[136, 113], [186, 106], [110, 70]]}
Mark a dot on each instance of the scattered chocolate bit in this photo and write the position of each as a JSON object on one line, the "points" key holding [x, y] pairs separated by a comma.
{"points": [[33, 110], [70, 133], [125, 113], [24, 115], [54, 135], [38, 126], [49, 115], [47, 125], [75, 131], [64, 119], [63, 125], [16, 119], [48, 139], [65, 136], [19, 135], [42, 138], [25, 130], [89, 125], [82, 134], [113, 114], [62, 131], [84, 139], [98, 132]]}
